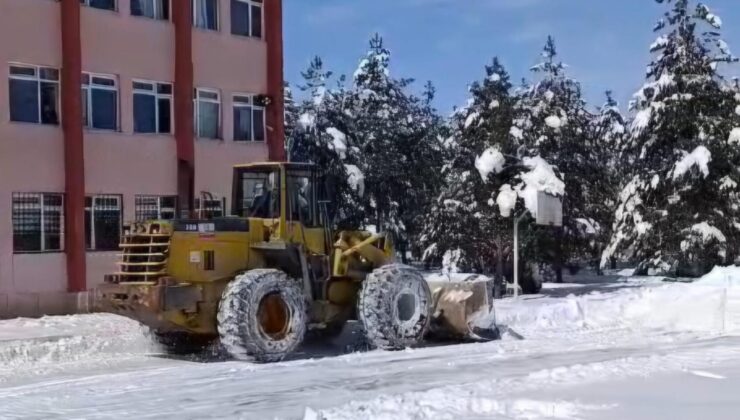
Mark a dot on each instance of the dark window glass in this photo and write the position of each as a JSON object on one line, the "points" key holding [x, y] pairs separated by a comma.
{"points": [[154, 9], [257, 21], [37, 222], [242, 123], [49, 103], [103, 222], [24, 101], [103, 4], [145, 113], [208, 120], [205, 14], [259, 124], [165, 116], [104, 109], [239, 18]]}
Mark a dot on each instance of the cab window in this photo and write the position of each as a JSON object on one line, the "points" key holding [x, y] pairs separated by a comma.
{"points": [[258, 194], [302, 197]]}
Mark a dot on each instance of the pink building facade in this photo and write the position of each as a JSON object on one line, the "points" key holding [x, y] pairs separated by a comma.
{"points": [[114, 111]]}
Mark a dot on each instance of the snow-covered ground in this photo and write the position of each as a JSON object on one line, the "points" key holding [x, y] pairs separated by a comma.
{"points": [[597, 348]]}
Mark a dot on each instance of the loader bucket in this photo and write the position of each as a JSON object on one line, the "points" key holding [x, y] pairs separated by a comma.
{"points": [[463, 310]]}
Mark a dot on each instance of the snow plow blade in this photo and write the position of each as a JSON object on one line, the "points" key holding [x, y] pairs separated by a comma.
{"points": [[462, 310]]}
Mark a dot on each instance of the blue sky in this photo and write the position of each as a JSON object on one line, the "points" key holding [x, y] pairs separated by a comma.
{"points": [[605, 43]]}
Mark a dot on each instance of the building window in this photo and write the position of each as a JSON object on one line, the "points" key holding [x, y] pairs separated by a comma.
{"points": [[100, 4], [34, 94], [155, 207], [152, 107], [249, 119], [37, 222], [210, 207], [246, 18], [154, 9], [103, 222], [207, 113], [99, 101], [205, 14]]}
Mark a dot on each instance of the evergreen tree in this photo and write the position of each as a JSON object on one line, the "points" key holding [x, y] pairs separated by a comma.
{"points": [[462, 228], [394, 133], [317, 139], [552, 121], [679, 211]]}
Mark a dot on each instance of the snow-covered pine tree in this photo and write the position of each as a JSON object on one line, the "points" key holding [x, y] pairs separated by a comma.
{"points": [[394, 133], [552, 121], [679, 211], [462, 230], [291, 120], [609, 133], [317, 139]]}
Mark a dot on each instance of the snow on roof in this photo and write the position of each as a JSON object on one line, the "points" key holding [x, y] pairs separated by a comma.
{"points": [[490, 161], [540, 178], [735, 134], [700, 158], [356, 179]]}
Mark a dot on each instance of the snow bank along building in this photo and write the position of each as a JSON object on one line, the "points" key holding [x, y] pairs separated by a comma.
{"points": [[121, 110]]}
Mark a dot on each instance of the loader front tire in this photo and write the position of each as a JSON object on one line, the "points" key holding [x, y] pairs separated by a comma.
{"points": [[395, 307], [262, 316]]}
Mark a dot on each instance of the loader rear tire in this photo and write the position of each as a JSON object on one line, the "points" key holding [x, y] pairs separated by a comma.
{"points": [[262, 316], [395, 307]]}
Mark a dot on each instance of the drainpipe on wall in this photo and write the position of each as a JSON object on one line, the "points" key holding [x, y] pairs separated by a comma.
{"points": [[184, 127], [275, 82], [74, 154]]}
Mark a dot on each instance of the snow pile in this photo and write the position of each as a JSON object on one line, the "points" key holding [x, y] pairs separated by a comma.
{"points": [[705, 306], [356, 179], [45, 343], [700, 158], [490, 161]]}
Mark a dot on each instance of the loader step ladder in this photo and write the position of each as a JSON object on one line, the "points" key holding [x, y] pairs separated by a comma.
{"points": [[144, 255]]}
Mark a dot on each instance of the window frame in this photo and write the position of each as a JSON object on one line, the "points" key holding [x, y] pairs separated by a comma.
{"points": [[203, 212], [86, 3], [88, 87], [93, 197], [42, 207], [195, 16], [157, 7], [252, 3], [140, 208], [219, 102], [157, 96], [38, 80], [253, 107]]}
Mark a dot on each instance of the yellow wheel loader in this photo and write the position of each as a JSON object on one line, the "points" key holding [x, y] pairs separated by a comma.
{"points": [[259, 280]]}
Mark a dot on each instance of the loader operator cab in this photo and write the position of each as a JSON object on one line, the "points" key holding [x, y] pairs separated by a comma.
{"points": [[258, 192]]}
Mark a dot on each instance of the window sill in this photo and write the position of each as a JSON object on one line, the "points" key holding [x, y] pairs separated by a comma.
{"points": [[151, 19], [247, 142], [206, 30], [153, 135], [90, 130], [37, 252], [209, 139], [248, 37], [102, 251], [33, 124]]}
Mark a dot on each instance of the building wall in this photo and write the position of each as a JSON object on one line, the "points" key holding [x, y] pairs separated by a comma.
{"points": [[122, 163]]}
